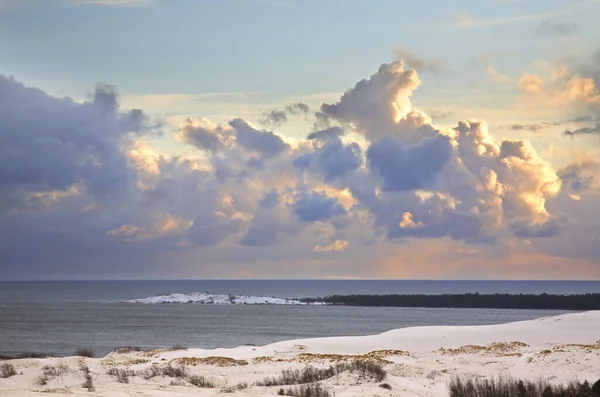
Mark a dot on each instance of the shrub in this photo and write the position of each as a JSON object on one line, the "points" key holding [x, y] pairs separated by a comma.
{"points": [[596, 389], [122, 375], [170, 371], [311, 390], [7, 370], [507, 387], [232, 389], [54, 371], [84, 353], [369, 369], [309, 374], [386, 386], [201, 381], [50, 372], [88, 383]]}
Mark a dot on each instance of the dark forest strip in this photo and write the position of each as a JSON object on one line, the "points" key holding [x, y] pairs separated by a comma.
{"points": [[470, 300]]}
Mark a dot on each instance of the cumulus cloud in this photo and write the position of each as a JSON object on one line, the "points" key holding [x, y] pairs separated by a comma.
{"points": [[378, 171], [336, 246], [574, 89]]}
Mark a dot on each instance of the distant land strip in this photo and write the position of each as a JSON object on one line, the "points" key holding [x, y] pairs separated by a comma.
{"points": [[589, 301]]}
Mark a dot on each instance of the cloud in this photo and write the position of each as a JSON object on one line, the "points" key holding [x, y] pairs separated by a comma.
{"points": [[497, 77], [336, 246], [408, 168], [584, 131], [544, 124], [433, 66], [276, 117], [467, 21], [92, 177], [316, 206], [550, 28], [574, 89]]}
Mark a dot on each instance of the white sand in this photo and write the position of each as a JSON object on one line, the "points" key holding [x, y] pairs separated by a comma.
{"points": [[559, 349]]}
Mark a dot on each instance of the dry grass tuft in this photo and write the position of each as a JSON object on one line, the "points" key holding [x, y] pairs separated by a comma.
{"points": [[497, 349], [216, 361]]}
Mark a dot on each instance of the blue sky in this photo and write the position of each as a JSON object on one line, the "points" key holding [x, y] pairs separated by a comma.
{"points": [[209, 73]]}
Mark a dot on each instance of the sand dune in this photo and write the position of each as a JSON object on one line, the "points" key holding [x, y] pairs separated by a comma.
{"points": [[420, 361]]}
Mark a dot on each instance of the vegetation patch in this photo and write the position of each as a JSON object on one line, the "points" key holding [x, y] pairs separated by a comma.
{"points": [[50, 372], [498, 349], [127, 349], [216, 361], [84, 353], [369, 370], [122, 374], [507, 387], [312, 390], [201, 381], [377, 355], [7, 370], [88, 382]]}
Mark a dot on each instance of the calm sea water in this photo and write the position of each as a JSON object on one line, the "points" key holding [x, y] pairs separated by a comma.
{"points": [[59, 317]]}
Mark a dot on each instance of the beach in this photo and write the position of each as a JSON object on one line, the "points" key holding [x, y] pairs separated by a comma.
{"points": [[419, 361]]}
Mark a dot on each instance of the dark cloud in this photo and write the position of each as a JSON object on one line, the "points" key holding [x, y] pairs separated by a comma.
{"points": [[550, 28], [584, 131], [544, 124], [549, 228], [579, 176], [316, 206], [202, 138], [53, 144], [297, 108], [333, 160], [328, 134], [408, 167], [276, 117], [266, 143]]}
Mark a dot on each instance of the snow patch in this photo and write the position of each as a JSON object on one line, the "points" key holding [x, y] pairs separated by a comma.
{"points": [[216, 299]]}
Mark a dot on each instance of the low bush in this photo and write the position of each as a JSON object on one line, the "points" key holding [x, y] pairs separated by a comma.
{"points": [[50, 372], [7, 370], [54, 371], [234, 388], [311, 390], [84, 353], [88, 382], [201, 381], [507, 387], [308, 374], [122, 375], [386, 386], [169, 370], [369, 369]]}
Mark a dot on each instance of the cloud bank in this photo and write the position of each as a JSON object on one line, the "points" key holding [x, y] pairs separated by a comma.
{"points": [[86, 182]]}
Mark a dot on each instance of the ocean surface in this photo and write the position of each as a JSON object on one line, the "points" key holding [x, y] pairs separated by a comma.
{"points": [[60, 316]]}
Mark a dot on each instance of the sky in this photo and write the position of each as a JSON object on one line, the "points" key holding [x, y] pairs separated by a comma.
{"points": [[170, 139]]}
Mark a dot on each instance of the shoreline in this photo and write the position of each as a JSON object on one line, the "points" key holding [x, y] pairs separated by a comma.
{"points": [[418, 360]]}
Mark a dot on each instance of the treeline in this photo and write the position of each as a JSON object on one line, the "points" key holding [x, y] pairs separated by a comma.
{"points": [[470, 300]]}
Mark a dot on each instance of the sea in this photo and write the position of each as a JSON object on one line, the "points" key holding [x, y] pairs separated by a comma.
{"points": [[58, 317]]}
